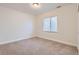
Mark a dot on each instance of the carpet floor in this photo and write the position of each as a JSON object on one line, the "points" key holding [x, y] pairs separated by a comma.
{"points": [[37, 46]]}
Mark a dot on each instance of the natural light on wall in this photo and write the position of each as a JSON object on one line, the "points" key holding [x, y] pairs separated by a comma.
{"points": [[50, 24]]}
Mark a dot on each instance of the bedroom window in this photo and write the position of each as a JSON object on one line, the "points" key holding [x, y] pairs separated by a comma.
{"points": [[50, 24]]}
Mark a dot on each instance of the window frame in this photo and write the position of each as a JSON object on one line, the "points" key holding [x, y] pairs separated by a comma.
{"points": [[50, 25]]}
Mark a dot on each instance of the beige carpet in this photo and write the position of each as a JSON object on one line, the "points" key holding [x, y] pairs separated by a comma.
{"points": [[37, 46]]}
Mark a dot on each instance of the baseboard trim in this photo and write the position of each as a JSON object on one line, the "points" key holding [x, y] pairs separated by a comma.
{"points": [[70, 44], [6, 42]]}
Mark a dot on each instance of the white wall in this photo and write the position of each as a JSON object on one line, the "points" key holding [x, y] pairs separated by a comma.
{"points": [[67, 25], [15, 25], [78, 32]]}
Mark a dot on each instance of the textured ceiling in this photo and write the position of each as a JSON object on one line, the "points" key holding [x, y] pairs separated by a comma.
{"points": [[27, 8]]}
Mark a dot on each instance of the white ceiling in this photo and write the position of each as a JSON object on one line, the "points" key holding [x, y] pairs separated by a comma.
{"points": [[27, 8]]}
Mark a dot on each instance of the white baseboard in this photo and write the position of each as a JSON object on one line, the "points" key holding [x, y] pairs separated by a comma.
{"points": [[11, 41], [6, 42], [63, 42]]}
